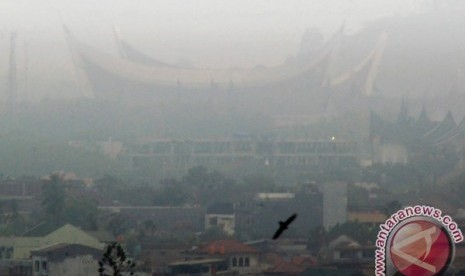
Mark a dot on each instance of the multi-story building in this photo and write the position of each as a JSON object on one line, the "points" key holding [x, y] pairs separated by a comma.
{"points": [[334, 203], [177, 156], [221, 215]]}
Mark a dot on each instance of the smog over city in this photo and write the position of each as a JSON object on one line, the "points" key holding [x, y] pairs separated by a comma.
{"points": [[176, 137]]}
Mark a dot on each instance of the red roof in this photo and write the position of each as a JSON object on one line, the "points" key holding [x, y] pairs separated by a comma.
{"points": [[296, 265], [303, 261], [227, 247], [273, 258], [285, 267]]}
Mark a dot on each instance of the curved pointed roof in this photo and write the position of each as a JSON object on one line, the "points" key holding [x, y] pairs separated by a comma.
{"points": [[397, 56], [159, 74], [447, 125], [452, 134]]}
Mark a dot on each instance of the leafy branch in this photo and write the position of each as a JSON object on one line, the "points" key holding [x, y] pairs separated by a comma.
{"points": [[115, 263]]}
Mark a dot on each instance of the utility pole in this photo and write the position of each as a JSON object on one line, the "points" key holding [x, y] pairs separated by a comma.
{"points": [[12, 84], [27, 94]]}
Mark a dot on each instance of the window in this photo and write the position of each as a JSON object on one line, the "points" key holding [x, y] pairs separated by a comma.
{"points": [[36, 266], [241, 261], [234, 261], [9, 253], [213, 221], [44, 265], [247, 261]]}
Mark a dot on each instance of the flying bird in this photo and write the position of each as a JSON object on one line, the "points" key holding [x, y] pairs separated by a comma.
{"points": [[283, 226]]}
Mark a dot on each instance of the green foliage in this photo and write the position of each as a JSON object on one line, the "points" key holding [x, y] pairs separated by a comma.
{"points": [[59, 207], [206, 186], [171, 196], [81, 212], [53, 199], [199, 186], [391, 207], [426, 165], [118, 225], [358, 198], [454, 189], [12, 222], [361, 232], [137, 195], [200, 177], [108, 185], [317, 239], [114, 262], [213, 233]]}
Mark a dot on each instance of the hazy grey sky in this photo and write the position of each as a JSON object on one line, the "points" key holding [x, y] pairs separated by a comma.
{"points": [[206, 33]]}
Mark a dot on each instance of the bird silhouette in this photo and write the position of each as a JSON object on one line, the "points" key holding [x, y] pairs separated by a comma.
{"points": [[283, 226]]}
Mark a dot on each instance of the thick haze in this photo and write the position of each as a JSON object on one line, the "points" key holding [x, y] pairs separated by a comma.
{"points": [[189, 130], [205, 33]]}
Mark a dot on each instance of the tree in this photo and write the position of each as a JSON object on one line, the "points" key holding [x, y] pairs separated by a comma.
{"points": [[391, 207], [170, 196], [317, 239], [61, 206], [108, 185], [197, 176], [114, 262], [53, 202], [206, 186], [213, 233], [82, 212], [361, 232]]}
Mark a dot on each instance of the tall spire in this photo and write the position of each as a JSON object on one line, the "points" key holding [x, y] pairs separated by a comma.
{"points": [[117, 35], [423, 118], [423, 124]]}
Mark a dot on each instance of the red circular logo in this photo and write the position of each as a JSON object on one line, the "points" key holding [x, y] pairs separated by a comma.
{"points": [[420, 248]]}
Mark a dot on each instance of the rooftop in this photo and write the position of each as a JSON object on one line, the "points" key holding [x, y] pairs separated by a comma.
{"points": [[226, 247], [195, 262], [224, 208]]}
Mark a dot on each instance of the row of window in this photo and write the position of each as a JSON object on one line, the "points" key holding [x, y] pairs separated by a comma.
{"points": [[164, 162], [243, 147], [37, 266], [6, 253], [314, 160], [320, 147], [240, 262]]}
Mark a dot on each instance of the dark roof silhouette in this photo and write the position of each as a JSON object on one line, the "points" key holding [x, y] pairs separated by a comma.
{"points": [[223, 208]]}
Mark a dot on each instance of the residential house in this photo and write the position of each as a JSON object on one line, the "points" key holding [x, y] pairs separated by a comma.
{"points": [[66, 259], [240, 258], [16, 268], [221, 215], [344, 249], [20, 248], [259, 218], [200, 267], [294, 266]]}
